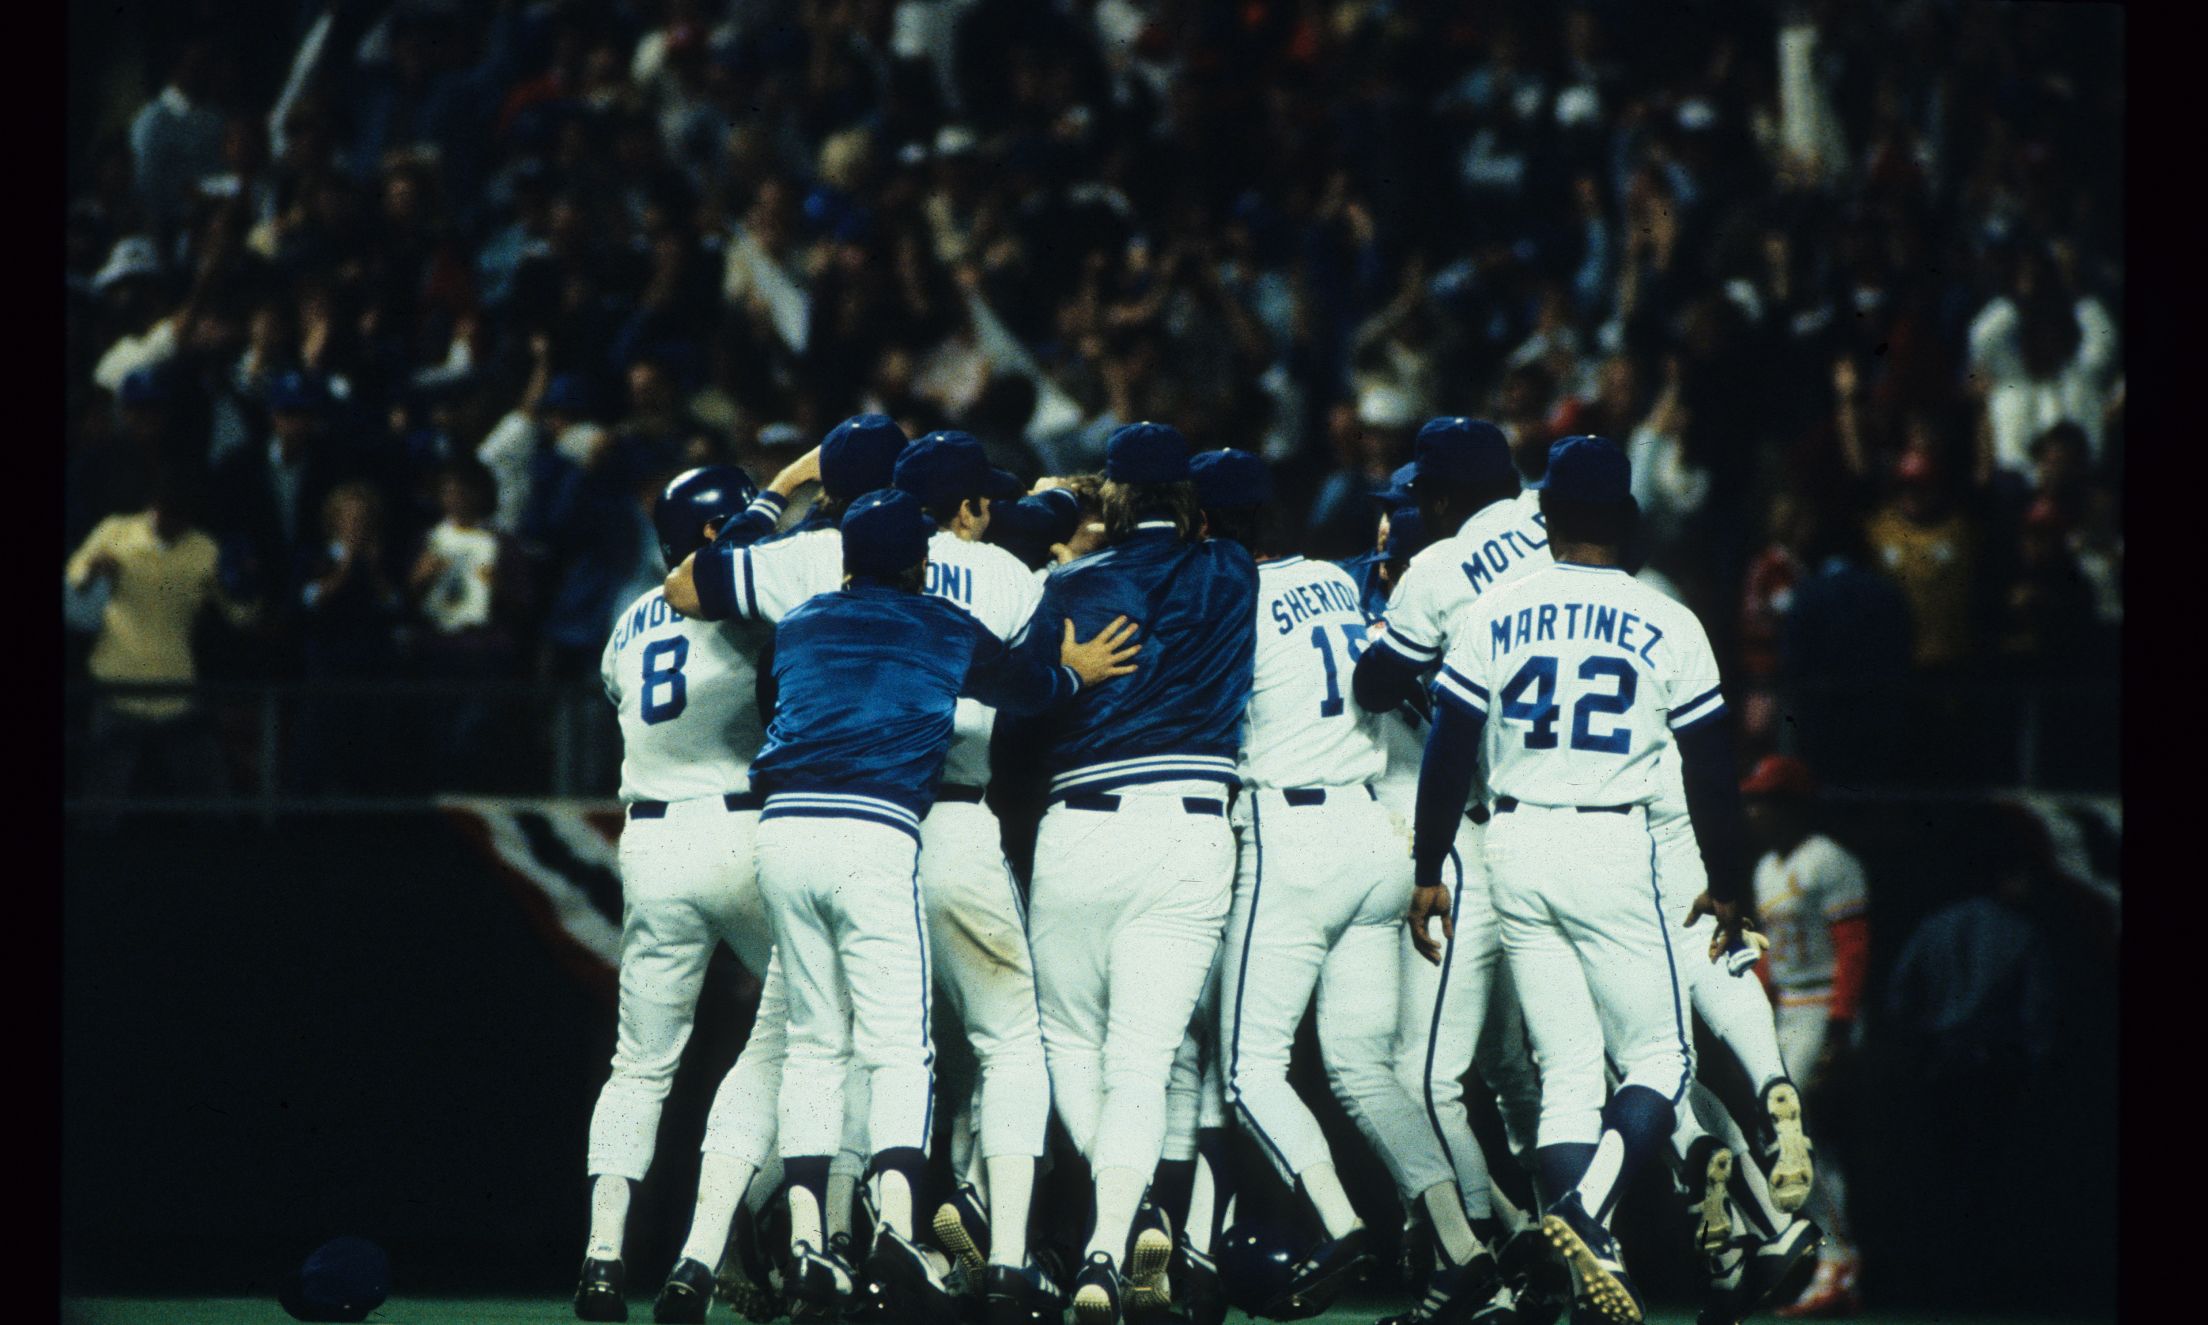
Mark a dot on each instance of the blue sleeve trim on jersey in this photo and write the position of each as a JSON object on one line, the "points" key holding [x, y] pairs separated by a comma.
{"points": [[1385, 679], [1695, 714], [715, 581], [1417, 653], [755, 521], [1467, 682], [1445, 778], [1682, 714], [1460, 693], [751, 587]]}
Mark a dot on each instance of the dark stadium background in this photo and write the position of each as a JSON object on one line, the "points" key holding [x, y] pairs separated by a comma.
{"points": [[1854, 317]]}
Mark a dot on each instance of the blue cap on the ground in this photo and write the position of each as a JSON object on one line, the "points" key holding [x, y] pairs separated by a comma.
{"points": [[1588, 470], [944, 468], [885, 533], [345, 1279], [860, 455], [1226, 479], [1146, 453], [1462, 451]]}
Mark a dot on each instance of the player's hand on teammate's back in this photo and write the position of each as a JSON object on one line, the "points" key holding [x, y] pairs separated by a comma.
{"points": [[1735, 928], [1426, 903], [1109, 653]]}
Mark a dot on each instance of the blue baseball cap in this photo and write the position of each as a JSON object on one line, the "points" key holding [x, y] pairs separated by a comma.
{"points": [[1064, 507], [297, 393], [1462, 451], [1406, 533], [566, 394], [1588, 470], [860, 454], [1398, 492], [144, 386], [345, 1279], [1228, 478], [885, 533], [945, 468], [1026, 528], [1146, 453]]}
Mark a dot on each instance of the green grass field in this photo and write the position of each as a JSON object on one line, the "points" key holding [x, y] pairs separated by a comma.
{"points": [[550, 1310]]}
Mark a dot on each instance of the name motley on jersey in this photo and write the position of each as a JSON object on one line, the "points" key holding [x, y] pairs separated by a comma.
{"points": [[647, 616], [1303, 602], [1491, 560], [1611, 625]]}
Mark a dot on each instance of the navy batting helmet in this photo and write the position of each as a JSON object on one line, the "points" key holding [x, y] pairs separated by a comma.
{"points": [[1256, 1264], [705, 496]]}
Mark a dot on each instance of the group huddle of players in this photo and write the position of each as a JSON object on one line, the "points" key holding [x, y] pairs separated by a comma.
{"points": [[1474, 798]]}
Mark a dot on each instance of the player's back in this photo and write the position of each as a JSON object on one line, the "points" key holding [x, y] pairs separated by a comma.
{"points": [[686, 691], [1498, 544], [1582, 674], [1301, 729], [1180, 715], [867, 682], [999, 591], [1799, 894]]}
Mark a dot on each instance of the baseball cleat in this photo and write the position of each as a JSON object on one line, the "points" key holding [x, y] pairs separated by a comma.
{"points": [[1591, 1254], [1770, 1268], [1321, 1276], [748, 1282], [1096, 1292], [685, 1295], [1024, 1296], [1786, 1148], [599, 1291], [1199, 1289], [1149, 1254], [1831, 1293], [911, 1287], [819, 1283], [1713, 1226], [1461, 1295], [962, 1228]]}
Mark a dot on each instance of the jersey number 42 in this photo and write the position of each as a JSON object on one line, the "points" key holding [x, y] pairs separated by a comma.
{"points": [[1538, 674]]}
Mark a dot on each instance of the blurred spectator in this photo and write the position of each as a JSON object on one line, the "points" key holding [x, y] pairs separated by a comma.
{"points": [[1929, 548], [269, 499], [152, 574], [2040, 354], [351, 607], [1371, 443], [462, 581], [2047, 622], [176, 140], [1844, 649]]}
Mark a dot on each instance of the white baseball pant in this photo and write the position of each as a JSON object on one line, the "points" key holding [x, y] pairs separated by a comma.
{"points": [[1124, 920], [688, 882], [844, 898], [1319, 899], [1589, 943]]}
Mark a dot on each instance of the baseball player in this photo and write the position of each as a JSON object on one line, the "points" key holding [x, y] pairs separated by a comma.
{"points": [[685, 691], [868, 679], [857, 456], [1570, 686], [982, 965], [1810, 899], [1134, 861], [1323, 884], [1457, 1005]]}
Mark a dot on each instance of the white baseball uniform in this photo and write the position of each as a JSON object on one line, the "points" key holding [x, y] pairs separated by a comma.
{"points": [[977, 930], [1581, 675], [685, 691], [1446, 1012], [1323, 882]]}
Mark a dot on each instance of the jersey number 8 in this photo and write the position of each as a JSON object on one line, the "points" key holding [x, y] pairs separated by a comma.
{"points": [[665, 691], [1538, 674]]}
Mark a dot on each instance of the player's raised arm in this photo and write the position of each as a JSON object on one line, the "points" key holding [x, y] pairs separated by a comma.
{"points": [[1030, 680]]}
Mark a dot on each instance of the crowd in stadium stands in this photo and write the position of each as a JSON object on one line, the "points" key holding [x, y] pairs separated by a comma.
{"points": [[403, 347]]}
